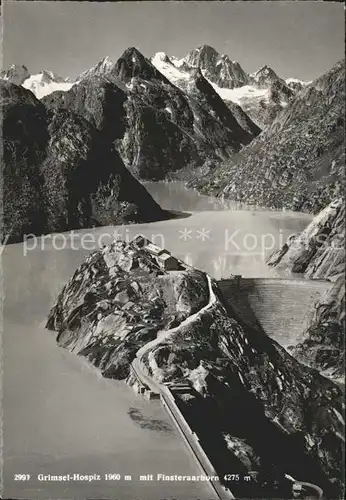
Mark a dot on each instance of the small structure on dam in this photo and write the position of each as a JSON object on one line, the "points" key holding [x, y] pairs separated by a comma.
{"points": [[282, 307]]}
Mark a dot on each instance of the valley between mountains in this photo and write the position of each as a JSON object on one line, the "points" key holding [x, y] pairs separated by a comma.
{"points": [[78, 155]]}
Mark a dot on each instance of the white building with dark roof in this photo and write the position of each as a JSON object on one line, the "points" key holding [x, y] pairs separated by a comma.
{"points": [[162, 256], [167, 262]]}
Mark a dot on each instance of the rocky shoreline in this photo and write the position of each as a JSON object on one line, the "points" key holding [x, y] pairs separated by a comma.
{"points": [[319, 252], [297, 162]]}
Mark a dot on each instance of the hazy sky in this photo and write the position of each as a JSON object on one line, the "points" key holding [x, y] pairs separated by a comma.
{"points": [[298, 39]]}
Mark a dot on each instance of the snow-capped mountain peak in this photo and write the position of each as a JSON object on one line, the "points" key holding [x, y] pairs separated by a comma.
{"points": [[261, 94], [160, 57], [297, 80], [50, 77], [41, 84], [133, 64], [296, 84], [172, 68], [101, 68], [265, 76], [105, 64], [201, 56], [218, 68], [45, 83]]}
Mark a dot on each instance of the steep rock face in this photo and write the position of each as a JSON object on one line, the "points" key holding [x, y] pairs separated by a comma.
{"points": [[15, 74], [158, 128], [280, 93], [25, 137], [86, 181], [115, 194], [297, 162], [204, 98], [204, 55], [168, 129], [243, 119], [66, 172], [100, 69], [319, 252], [262, 408], [60, 172], [203, 93], [154, 146], [96, 99], [217, 68], [148, 124], [295, 84], [132, 64], [266, 76], [323, 343], [261, 95]]}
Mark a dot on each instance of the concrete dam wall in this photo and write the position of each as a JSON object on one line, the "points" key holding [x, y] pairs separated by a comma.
{"points": [[282, 307]]}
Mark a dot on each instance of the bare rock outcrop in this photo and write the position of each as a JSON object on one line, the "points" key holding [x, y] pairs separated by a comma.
{"points": [[25, 137], [62, 171], [319, 253]]}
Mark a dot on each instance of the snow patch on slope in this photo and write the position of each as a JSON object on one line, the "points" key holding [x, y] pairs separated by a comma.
{"points": [[41, 86], [168, 69], [296, 80], [239, 94], [181, 78]]}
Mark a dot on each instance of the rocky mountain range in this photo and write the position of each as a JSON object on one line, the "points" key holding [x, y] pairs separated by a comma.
{"points": [[262, 95], [62, 172], [190, 128], [15, 74], [168, 118], [319, 253], [40, 84], [296, 163], [120, 115], [218, 68], [262, 410]]}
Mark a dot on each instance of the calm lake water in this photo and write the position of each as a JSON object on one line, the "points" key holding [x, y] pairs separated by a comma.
{"points": [[60, 416]]}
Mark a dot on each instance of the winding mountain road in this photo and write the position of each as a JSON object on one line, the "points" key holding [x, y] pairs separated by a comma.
{"points": [[314, 487], [166, 334], [157, 387]]}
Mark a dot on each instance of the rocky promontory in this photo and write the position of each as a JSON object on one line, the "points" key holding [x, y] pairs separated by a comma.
{"points": [[263, 410]]}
